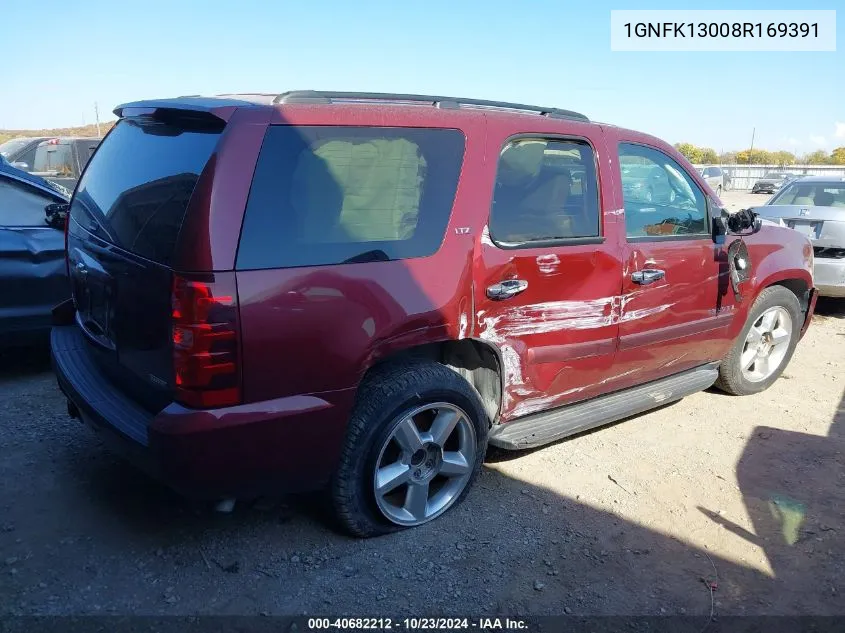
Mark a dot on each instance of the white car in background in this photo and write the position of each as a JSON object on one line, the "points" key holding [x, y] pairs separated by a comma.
{"points": [[716, 178], [815, 206]]}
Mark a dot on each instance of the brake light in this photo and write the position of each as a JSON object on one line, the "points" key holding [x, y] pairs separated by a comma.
{"points": [[205, 337]]}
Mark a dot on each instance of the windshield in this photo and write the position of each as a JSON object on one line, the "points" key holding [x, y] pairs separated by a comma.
{"points": [[775, 176], [10, 147], [818, 194]]}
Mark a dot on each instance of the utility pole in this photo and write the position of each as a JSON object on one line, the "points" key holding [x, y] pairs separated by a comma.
{"points": [[751, 151], [97, 117]]}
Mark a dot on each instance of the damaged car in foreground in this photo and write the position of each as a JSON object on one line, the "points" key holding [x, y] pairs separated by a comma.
{"points": [[33, 275], [343, 291], [815, 207]]}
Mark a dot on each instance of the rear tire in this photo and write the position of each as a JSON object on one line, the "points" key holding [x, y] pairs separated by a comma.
{"points": [[391, 397], [780, 306]]}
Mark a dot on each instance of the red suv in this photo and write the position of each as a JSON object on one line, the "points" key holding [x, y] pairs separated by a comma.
{"points": [[361, 291]]}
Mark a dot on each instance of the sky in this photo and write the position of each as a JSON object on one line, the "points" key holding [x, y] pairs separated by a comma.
{"points": [[549, 52]]}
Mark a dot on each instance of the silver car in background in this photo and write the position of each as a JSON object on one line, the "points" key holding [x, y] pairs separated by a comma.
{"points": [[815, 206], [716, 177]]}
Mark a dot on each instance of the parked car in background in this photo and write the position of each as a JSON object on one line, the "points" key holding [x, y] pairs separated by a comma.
{"points": [[62, 160], [647, 183], [815, 207], [33, 276], [251, 315], [20, 152], [715, 177], [771, 182]]}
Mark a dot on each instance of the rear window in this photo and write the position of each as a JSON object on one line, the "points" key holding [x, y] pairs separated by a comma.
{"points": [[819, 194], [331, 195], [137, 187], [55, 159]]}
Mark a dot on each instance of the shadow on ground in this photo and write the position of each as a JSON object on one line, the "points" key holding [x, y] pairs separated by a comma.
{"points": [[22, 361], [828, 307], [92, 535]]}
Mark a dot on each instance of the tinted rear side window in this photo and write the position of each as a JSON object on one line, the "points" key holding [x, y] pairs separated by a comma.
{"points": [[331, 195], [136, 190]]}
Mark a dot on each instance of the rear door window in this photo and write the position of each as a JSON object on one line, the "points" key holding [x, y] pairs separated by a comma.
{"points": [[332, 195], [546, 191], [136, 189]]}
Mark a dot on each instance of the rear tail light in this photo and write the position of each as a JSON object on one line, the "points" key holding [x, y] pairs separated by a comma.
{"points": [[206, 345]]}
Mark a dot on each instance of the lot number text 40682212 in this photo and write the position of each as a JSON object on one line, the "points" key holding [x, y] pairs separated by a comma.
{"points": [[417, 624]]}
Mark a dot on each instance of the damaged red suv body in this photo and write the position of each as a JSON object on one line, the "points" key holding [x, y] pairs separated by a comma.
{"points": [[276, 293]]}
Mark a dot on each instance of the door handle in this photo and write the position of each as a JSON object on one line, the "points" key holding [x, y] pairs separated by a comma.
{"points": [[647, 276], [506, 289]]}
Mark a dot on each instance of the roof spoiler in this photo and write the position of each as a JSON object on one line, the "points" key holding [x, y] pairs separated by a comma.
{"points": [[188, 107]]}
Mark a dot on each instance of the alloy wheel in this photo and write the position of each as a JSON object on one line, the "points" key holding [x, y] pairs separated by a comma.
{"points": [[424, 464], [766, 344]]}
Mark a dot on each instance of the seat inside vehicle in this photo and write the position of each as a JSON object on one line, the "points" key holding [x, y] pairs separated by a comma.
{"points": [[823, 199], [540, 197]]}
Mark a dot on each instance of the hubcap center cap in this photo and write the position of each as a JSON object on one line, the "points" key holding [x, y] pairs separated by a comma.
{"points": [[426, 463]]}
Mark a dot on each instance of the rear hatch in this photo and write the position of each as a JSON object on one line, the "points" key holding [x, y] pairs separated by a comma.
{"points": [[125, 220], [825, 226]]}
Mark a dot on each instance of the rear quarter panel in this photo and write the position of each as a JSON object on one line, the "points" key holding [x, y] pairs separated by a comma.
{"points": [[319, 328]]}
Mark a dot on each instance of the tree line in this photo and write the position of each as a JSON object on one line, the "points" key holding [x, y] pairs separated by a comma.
{"points": [[782, 158]]}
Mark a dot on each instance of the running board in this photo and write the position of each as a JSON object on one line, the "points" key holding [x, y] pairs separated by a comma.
{"points": [[541, 428]]}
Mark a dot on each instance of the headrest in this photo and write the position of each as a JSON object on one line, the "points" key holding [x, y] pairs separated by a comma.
{"points": [[521, 162]]}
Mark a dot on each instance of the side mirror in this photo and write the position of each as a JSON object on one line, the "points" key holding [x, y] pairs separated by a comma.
{"points": [[719, 229], [56, 214], [20, 165], [743, 222]]}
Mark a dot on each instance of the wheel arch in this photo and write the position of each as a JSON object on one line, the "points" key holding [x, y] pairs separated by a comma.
{"points": [[476, 361]]}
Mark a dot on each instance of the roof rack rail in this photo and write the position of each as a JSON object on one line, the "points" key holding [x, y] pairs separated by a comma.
{"points": [[327, 96]]}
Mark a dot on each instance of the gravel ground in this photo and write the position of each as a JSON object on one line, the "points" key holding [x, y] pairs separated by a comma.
{"points": [[741, 497]]}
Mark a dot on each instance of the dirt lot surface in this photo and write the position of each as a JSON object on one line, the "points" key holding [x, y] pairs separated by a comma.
{"points": [[736, 200], [741, 497]]}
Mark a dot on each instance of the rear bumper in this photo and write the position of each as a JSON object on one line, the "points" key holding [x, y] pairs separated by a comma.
{"points": [[829, 276], [282, 445]]}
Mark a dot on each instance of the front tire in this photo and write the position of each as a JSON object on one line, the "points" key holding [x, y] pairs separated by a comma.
{"points": [[414, 446], [764, 347]]}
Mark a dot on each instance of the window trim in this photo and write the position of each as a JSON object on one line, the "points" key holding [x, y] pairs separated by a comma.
{"points": [[564, 241], [708, 235]]}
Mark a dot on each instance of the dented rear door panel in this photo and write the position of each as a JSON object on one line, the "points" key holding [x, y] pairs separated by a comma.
{"points": [[556, 339]]}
